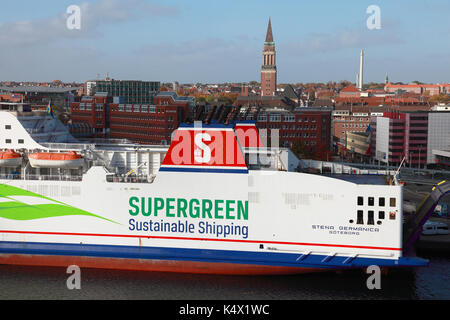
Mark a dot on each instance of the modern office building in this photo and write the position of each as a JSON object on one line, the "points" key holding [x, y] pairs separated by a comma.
{"points": [[438, 136], [357, 145], [416, 137], [132, 91]]}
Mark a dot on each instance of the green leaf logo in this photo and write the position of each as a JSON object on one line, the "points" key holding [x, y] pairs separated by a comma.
{"points": [[19, 204]]}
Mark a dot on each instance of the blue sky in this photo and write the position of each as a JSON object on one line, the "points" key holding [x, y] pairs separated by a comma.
{"points": [[222, 41]]}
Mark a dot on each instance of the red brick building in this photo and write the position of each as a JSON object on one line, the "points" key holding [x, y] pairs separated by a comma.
{"points": [[309, 127], [350, 92], [150, 124], [11, 97], [99, 117], [428, 89], [90, 116]]}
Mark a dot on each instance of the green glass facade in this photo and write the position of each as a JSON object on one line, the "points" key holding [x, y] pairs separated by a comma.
{"points": [[132, 91]]}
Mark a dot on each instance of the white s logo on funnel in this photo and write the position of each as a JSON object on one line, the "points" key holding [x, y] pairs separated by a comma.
{"points": [[201, 146]]}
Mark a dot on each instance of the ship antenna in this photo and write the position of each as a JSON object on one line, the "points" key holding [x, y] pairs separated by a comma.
{"points": [[398, 171]]}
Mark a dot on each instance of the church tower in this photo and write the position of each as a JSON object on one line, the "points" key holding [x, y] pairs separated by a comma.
{"points": [[269, 68]]}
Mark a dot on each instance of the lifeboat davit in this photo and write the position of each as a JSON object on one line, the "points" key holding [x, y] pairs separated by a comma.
{"points": [[10, 158], [67, 160]]}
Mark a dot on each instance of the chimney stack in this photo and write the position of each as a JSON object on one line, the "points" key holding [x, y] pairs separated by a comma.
{"points": [[360, 78]]}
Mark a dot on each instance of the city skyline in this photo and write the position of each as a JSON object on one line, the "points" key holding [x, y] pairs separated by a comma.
{"points": [[213, 42]]}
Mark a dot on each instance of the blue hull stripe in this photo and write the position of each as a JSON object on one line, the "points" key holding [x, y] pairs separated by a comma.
{"points": [[216, 170], [203, 255]]}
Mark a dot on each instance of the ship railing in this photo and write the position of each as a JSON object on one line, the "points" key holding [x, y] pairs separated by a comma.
{"points": [[41, 177], [68, 146], [54, 177], [129, 179]]}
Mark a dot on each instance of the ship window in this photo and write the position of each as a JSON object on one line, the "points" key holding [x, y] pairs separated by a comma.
{"points": [[381, 202], [360, 218], [370, 219], [371, 201], [360, 201], [7, 126], [8, 141], [392, 202], [380, 215], [20, 141]]}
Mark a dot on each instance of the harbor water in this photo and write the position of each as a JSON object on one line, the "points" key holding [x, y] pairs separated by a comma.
{"points": [[44, 283]]}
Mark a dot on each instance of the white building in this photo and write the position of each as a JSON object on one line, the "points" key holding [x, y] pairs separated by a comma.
{"points": [[438, 134]]}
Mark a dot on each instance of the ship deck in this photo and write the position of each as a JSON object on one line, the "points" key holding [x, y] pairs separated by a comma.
{"points": [[362, 178]]}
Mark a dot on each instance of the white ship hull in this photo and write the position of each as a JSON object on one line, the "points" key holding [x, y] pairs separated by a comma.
{"points": [[206, 216], [299, 227]]}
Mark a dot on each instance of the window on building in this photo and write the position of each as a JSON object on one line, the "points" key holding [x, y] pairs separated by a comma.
{"points": [[275, 118], [7, 126], [371, 201], [7, 140], [381, 215], [381, 202], [289, 118]]}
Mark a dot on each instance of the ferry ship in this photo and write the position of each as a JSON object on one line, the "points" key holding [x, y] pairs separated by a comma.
{"points": [[214, 201]]}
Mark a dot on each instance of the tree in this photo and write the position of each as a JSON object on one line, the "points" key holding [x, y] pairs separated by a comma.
{"points": [[441, 98], [302, 151]]}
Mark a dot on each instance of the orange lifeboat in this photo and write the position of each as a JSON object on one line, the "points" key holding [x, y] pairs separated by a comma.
{"points": [[67, 160], [10, 158]]}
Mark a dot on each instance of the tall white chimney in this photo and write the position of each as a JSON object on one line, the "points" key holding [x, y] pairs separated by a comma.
{"points": [[361, 62]]}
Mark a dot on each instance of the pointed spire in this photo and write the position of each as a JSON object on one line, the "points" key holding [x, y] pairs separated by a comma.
{"points": [[269, 36]]}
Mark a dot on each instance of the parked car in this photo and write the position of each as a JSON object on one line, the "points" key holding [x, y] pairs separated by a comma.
{"points": [[435, 228]]}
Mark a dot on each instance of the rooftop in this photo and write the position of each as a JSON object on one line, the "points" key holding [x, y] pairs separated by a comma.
{"points": [[39, 89]]}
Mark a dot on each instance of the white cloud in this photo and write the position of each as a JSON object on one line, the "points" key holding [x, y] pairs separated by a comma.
{"points": [[93, 16]]}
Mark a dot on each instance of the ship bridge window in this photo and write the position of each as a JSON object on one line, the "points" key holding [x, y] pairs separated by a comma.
{"points": [[392, 202], [360, 201], [370, 219], [381, 202], [360, 217], [371, 201]]}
